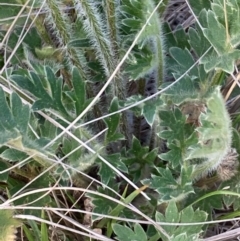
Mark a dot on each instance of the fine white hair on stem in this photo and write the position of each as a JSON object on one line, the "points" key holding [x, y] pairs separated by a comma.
{"points": [[96, 98]]}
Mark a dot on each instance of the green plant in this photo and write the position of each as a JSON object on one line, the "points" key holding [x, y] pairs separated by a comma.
{"points": [[81, 100], [8, 225]]}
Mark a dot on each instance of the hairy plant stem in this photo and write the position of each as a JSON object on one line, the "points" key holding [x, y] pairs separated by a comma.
{"points": [[94, 26], [155, 140]]}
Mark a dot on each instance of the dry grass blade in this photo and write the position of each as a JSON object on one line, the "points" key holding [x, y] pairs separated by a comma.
{"points": [[71, 194], [227, 236], [178, 13]]}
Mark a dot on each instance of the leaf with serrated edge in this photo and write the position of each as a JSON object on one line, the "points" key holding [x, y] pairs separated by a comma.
{"points": [[79, 90], [112, 121], [126, 234]]}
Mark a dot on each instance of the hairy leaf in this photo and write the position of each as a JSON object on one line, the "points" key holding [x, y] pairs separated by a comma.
{"points": [[8, 225], [187, 215], [126, 234], [134, 15], [171, 188], [113, 122], [79, 91], [13, 155], [197, 41], [48, 90], [215, 136], [182, 91], [178, 134], [221, 29], [139, 159], [106, 172], [184, 60]]}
